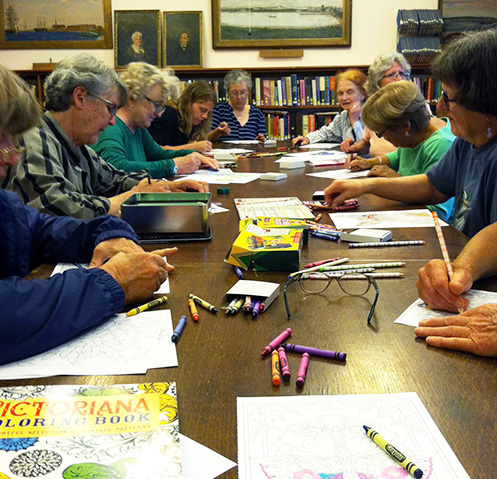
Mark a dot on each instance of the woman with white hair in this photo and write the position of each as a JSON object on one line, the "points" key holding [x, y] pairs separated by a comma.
{"points": [[128, 145], [136, 53]]}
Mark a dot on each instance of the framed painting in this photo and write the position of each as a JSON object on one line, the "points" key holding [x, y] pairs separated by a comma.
{"points": [[279, 23], [60, 24], [465, 15], [137, 37], [183, 39]]}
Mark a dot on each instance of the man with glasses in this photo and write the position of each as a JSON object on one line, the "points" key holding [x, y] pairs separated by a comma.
{"points": [[58, 174]]}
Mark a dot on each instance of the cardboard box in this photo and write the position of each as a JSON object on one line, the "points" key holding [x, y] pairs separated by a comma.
{"points": [[366, 235]]}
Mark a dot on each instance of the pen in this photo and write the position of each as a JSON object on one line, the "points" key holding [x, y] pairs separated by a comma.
{"points": [[147, 306], [387, 243], [322, 353], [344, 267], [302, 370], [193, 310], [443, 246], [298, 143], [148, 176], [179, 328], [276, 341], [394, 453], [203, 303]]}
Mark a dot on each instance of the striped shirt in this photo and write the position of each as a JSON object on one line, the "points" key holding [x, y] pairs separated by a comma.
{"points": [[61, 179], [255, 124], [338, 130]]}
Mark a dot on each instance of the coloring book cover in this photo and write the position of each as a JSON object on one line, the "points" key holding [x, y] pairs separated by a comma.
{"points": [[125, 431]]}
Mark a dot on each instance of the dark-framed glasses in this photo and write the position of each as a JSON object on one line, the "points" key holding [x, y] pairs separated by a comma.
{"points": [[395, 75], [380, 134], [353, 284], [111, 106], [447, 100], [159, 107]]}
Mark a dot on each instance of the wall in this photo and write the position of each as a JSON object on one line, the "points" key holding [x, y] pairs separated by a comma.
{"points": [[373, 32]]}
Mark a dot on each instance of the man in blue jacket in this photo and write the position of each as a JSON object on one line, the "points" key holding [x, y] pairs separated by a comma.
{"points": [[38, 315]]}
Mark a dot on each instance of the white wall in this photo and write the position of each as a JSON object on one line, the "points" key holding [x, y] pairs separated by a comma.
{"points": [[374, 31]]}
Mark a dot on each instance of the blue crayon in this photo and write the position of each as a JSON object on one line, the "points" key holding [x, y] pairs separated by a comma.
{"points": [[238, 272], [325, 236], [179, 329]]}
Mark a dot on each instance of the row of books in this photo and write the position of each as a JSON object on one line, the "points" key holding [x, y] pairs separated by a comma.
{"points": [[419, 22], [283, 125], [419, 49], [431, 88], [217, 86]]}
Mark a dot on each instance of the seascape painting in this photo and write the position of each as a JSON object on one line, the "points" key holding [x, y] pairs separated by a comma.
{"points": [[276, 23], [466, 15], [55, 24]]}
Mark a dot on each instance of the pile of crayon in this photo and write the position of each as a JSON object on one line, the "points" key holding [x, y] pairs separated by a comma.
{"points": [[250, 305], [352, 204], [279, 361]]}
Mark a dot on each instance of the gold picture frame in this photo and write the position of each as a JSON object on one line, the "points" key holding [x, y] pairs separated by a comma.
{"points": [[183, 40], [269, 24], [53, 24]]}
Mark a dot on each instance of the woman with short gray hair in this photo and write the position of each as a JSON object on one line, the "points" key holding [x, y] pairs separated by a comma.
{"points": [[379, 73], [235, 119]]}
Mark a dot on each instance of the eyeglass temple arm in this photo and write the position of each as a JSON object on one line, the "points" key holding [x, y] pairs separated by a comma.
{"points": [[287, 307], [377, 295]]}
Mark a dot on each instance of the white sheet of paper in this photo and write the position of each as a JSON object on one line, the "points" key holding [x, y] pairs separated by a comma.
{"points": [[235, 151], [121, 345], [320, 436], [214, 209], [419, 310], [224, 176], [340, 174], [61, 267], [278, 207], [320, 146], [419, 218], [198, 461], [242, 142]]}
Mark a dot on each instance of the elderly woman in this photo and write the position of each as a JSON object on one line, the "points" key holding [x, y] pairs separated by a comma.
{"points": [[59, 174], [350, 93], [398, 113], [136, 53], [128, 145], [236, 119], [384, 70], [187, 124], [41, 314], [468, 171]]}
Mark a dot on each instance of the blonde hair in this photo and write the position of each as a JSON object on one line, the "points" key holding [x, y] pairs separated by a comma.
{"points": [[140, 77], [394, 104], [173, 85], [356, 77], [19, 109], [196, 92]]}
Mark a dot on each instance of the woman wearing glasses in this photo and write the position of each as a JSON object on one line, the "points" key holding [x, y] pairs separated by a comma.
{"points": [[384, 70], [128, 146], [468, 171], [186, 124], [235, 119]]}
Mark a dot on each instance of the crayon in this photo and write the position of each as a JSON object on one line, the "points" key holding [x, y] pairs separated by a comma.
{"points": [[147, 306], [263, 306], [318, 217], [248, 304], [193, 309], [322, 353], [275, 368], [179, 328], [238, 272], [302, 370], [203, 303], [324, 236], [256, 309], [234, 309], [276, 341], [394, 453], [285, 370]]}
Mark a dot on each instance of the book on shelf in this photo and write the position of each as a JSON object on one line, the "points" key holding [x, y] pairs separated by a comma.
{"points": [[114, 431]]}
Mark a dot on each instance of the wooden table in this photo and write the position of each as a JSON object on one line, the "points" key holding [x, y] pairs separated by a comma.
{"points": [[219, 357]]}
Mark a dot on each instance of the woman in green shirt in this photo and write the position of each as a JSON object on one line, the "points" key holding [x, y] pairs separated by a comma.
{"points": [[128, 145]]}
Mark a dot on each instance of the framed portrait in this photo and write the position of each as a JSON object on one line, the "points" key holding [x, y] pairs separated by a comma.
{"points": [[183, 39], [60, 24], [461, 16], [276, 24], [137, 37]]}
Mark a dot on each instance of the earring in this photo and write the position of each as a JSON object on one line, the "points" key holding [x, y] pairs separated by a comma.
{"points": [[489, 132], [407, 133]]}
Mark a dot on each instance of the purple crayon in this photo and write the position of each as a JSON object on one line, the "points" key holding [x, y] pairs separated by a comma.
{"points": [[256, 309], [302, 370], [276, 341], [285, 370], [323, 353]]}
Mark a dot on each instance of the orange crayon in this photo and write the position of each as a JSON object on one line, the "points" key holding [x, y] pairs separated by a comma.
{"points": [[275, 368], [193, 309]]}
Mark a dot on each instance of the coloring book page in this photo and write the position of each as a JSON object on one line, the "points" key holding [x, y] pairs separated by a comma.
{"points": [[322, 437]]}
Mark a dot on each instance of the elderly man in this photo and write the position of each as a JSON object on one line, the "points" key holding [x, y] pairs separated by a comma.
{"points": [[59, 174]]}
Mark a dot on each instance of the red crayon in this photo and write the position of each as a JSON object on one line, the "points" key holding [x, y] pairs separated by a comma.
{"points": [[344, 208], [276, 342], [285, 370], [302, 370]]}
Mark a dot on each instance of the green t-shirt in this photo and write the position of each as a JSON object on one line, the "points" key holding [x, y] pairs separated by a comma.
{"points": [[136, 152]]}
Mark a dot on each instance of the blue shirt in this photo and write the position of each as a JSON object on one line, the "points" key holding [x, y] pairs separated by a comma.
{"points": [[255, 124]]}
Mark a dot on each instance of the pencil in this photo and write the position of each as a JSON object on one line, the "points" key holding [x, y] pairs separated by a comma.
{"points": [[148, 176], [443, 246]]}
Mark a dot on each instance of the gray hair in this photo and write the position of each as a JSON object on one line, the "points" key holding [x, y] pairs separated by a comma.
{"points": [[237, 76], [140, 77], [394, 104], [82, 70], [136, 34], [381, 64], [469, 65], [173, 84]]}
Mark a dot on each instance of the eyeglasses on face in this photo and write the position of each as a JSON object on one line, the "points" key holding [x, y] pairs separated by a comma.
{"points": [[447, 100], [111, 106], [159, 107], [380, 134], [353, 284], [238, 94], [395, 75]]}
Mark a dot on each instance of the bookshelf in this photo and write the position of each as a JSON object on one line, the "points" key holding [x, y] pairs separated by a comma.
{"points": [[311, 104]]}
